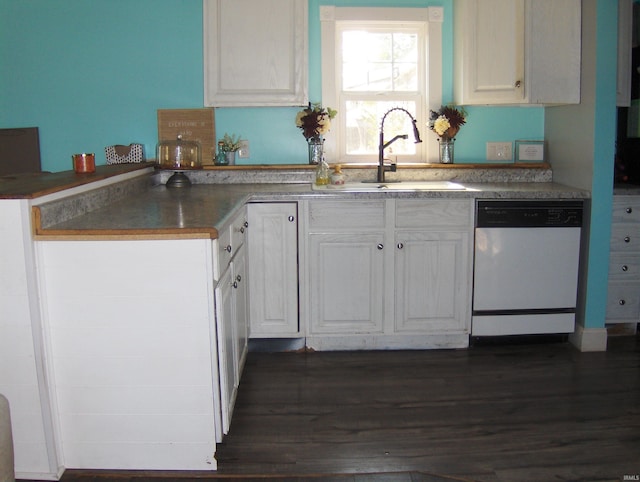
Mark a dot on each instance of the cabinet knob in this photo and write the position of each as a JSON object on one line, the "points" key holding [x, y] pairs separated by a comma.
{"points": [[400, 245], [228, 248], [625, 267], [235, 284], [380, 246], [627, 239], [629, 210], [622, 302], [238, 278], [246, 224], [242, 229], [518, 84], [291, 219]]}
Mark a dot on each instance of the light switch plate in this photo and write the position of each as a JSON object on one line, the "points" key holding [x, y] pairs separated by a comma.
{"points": [[499, 151]]}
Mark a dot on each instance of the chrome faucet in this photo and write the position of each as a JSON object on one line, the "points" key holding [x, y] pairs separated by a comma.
{"points": [[382, 168]]}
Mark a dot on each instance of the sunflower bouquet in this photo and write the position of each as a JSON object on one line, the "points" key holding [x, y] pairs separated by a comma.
{"points": [[447, 121], [315, 120]]}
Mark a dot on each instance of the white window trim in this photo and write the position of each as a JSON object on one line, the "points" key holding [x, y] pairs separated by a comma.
{"points": [[432, 16]]}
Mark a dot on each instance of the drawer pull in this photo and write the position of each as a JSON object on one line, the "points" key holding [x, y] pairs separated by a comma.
{"points": [[291, 219], [518, 84], [400, 245], [622, 302], [627, 239], [625, 268], [380, 246], [629, 210], [228, 248]]}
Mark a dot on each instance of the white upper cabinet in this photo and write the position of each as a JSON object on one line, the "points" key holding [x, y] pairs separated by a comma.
{"points": [[255, 52], [517, 51]]}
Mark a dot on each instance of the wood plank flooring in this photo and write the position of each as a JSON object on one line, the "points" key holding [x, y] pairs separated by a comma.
{"points": [[535, 412]]}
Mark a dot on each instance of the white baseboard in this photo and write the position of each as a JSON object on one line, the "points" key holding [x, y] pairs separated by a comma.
{"points": [[589, 339]]}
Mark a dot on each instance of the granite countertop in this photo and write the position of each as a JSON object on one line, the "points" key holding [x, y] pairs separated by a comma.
{"points": [[202, 209], [623, 189]]}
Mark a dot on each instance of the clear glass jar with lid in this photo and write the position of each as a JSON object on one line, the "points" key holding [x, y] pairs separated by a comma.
{"points": [[179, 154]]}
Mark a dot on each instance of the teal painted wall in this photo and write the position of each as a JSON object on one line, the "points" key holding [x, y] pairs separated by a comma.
{"points": [[93, 73], [603, 159]]}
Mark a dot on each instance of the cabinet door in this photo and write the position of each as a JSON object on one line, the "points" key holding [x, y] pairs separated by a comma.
{"points": [[226, 329], [273, 256], [489, 61], [255, 52], [346, 283], [240, 284], [553, 51], [432, 272], [517, 51]]}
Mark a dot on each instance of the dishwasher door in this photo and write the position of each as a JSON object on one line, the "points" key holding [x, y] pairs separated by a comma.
{"points": [[527, 255], [526, 269]]}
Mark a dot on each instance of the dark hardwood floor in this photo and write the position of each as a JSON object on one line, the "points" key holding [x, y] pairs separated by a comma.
{"points": [[534, 412]]}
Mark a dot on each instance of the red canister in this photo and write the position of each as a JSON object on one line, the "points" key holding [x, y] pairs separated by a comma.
{"points": [[84, 163]]}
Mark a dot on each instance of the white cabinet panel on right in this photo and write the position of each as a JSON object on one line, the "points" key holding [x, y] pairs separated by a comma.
{"points": [[517, 51], [623, 297]]}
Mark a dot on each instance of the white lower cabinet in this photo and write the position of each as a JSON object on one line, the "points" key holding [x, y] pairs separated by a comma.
{"points": [[231, 304], [389, 274], [623, 297], [231, 317], [129, 332], [273, 258]]}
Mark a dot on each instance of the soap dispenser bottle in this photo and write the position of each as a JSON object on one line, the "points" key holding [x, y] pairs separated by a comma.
{"points": [[337, 176], [322, 173]]}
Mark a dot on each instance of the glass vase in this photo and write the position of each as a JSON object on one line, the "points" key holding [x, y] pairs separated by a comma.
{"points": [[446, 151], [316, 147]]}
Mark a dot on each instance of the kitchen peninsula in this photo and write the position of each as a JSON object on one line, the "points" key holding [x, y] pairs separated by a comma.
{"points": [[127, 315]]}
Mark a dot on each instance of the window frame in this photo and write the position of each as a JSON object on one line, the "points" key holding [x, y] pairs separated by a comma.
{"points": [[430, 19]]}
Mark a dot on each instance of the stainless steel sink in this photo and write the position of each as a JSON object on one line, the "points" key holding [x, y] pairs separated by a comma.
{"points": [[393, 186]]}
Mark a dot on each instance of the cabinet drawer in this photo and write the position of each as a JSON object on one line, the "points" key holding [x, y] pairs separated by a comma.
{"points": [[624, 267], [626, 210], [625, 238], [623, 301], [430, 213], [336, 215]]}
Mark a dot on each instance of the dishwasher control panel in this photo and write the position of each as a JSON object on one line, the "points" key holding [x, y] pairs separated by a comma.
{"points": [[539, 214]]}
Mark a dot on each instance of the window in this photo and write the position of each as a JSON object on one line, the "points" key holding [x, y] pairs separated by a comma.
{"points": [[374, 59]]}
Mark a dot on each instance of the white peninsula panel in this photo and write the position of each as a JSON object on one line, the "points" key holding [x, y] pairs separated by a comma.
{"points": [[131, 343]]}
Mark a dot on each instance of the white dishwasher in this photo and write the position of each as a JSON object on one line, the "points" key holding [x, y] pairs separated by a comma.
{"points": [[527, 255]]}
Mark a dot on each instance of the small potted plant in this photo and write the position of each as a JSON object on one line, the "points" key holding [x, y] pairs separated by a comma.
{"points": [[227, 147]]}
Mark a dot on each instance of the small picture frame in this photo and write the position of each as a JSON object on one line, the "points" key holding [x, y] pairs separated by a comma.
{"points": [[529, 151]]}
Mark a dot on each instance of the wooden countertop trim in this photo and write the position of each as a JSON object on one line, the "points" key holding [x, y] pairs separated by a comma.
{"points": [[119, 235], [41, 233]]}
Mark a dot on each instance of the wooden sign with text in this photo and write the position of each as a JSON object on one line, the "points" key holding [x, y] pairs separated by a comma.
{"points": [[192, 125]]}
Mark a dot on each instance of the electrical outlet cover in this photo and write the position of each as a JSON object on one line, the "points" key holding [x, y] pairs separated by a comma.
{"points": [[499, 151], [243, 151]]}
